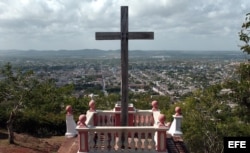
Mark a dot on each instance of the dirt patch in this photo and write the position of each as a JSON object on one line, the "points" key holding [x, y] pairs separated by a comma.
{"points": [[28, 144]]}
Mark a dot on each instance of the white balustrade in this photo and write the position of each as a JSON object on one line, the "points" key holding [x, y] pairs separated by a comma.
{"points": [[103, 135], [122, 139], [109, 118], [146, 131], [143, 118], [106, 118]]}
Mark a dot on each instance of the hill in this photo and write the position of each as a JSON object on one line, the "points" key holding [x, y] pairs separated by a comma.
{"points": [[95, 53]]}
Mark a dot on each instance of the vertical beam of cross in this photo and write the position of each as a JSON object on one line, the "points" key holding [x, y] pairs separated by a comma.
{"points": [[124, 65], [124, 35]]}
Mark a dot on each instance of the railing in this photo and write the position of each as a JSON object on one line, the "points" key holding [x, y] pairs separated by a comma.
{"points": [[100, 131], [103, 132], [122, 139], [101, 118], [105, 118], [112, 118], [143, 118]]}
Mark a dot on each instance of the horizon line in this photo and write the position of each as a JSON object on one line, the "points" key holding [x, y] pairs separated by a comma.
{"points": [[116, 50]]}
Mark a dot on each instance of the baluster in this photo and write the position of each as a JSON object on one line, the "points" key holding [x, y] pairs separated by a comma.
{"points": [[105, 140], [139, 142], [125, 142], [144, 120], [151, 120], [148, 120], [102, 120], [106, 120], [111, 140], [99, 120], [132, 142], [135, 120], [152, 142], [109, 120], [99, 141], [139, 119], [122, 138], [95, 140], [113, 120], [146, 141], [119, 143]]}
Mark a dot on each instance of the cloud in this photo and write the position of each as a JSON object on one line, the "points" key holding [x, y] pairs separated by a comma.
{"points": [[52, 24]]}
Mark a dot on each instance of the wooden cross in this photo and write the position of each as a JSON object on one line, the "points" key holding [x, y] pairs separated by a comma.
{"points": [[124, 35]]}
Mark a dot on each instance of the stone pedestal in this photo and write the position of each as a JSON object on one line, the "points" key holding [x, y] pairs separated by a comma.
{"points": [[71, 127], [175, 128]]}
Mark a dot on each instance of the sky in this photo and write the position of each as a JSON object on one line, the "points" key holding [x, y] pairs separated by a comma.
{"points": [[71, 24]]}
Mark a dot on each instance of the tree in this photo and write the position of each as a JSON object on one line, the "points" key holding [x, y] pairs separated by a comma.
{"points": [[14, 87], [201, 121], [209, 115], [245, 34], [25, 99], [243, 88]]}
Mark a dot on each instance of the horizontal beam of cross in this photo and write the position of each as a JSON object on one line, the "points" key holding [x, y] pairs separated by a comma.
{"points": [[118, 35]]}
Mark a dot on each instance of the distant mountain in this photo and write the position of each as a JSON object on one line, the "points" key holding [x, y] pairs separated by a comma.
{"points": [[96, 53]]}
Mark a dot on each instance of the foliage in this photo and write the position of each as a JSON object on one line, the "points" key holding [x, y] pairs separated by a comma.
{"points": [[14, 88], [209, 117], [244, 35], [27, 100], [241, 91]]}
